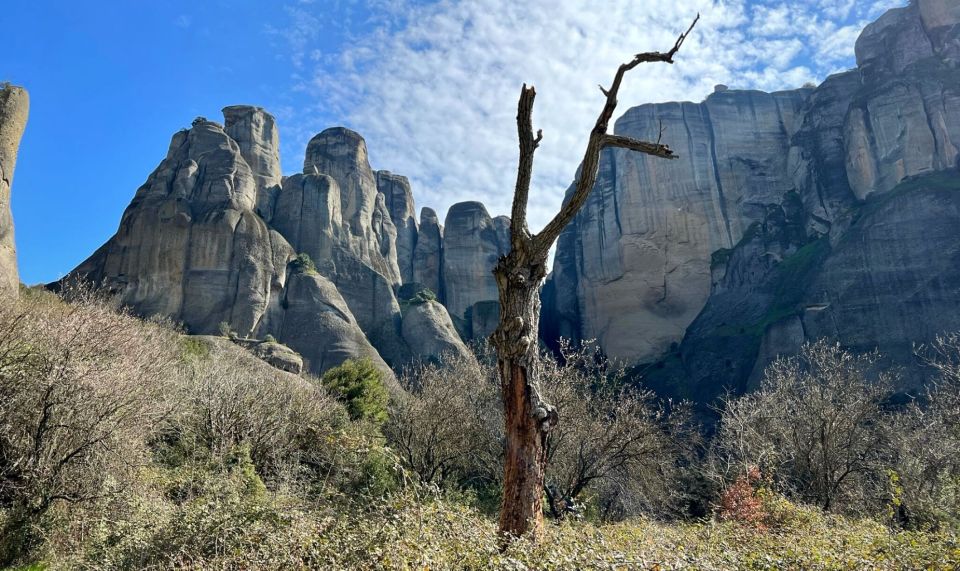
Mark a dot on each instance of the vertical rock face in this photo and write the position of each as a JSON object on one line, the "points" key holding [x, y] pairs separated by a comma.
{"points": [[471, 246], [369, 231], [255, 132], [14, 108], [399, 201], [428, 253], [633, 270], [790, 216]]}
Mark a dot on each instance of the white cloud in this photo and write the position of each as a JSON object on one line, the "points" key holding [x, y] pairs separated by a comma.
{"points": [[433, 88]]}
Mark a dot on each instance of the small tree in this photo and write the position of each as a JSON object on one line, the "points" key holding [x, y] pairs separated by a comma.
{"points": [[614, 440], [816, 425], [466, 452], [359, 385], [528, 416]]}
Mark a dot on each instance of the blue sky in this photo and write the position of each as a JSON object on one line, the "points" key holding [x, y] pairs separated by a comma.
{"points": [[431, 85]]}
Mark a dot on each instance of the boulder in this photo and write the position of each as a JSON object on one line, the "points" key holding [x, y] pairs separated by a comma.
{"points": [[280, 356], [430, 334]]}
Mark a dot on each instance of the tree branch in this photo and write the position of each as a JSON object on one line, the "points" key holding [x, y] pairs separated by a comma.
{"points": [[654, 149], [598, 140], [528, 145]]}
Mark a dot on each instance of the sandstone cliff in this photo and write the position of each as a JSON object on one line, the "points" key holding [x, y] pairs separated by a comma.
{"points": [[790, 216], [14, 108]]}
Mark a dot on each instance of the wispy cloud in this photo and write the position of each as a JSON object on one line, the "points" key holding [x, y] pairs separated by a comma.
{"points": [[433, 87]]}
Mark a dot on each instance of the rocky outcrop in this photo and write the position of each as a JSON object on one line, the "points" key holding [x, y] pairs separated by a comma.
{"points": [[769, 229], [369, 233], [255, 132], [430, 334], [312, 318], [399, 201], [428, 253], [280, 356], [14, 108], [633, 269], [216, 235], [472, 243], [191, 246]]}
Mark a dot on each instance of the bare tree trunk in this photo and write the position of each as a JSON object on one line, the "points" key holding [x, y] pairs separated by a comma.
{"points": [[520, 274]]}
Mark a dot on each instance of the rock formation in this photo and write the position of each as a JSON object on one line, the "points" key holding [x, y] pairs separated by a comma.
{"points": [[399, 201], [472, 243], [14, 107], [217, 235], [428, 253], [790, 216]]}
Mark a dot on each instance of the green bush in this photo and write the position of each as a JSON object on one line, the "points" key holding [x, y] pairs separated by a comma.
{"points": [[269, 339], [303, 264], [359, 385]]}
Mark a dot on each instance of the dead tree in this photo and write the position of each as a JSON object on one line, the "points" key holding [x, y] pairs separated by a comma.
{"points": [[520, 274]]}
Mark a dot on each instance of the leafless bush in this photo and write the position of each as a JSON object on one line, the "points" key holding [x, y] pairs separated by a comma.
{"points": [[448, 429], [81, 386], [228, 398], [815, 425], [924, 473], [614, 443]]}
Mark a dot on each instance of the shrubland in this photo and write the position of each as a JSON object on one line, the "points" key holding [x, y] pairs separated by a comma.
{"points": [[125, 444]]}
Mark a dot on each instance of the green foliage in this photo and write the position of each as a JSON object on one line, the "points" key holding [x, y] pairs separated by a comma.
{"points": [[359, 385], [423, 296], [269, 339], [192, 348], [303, 264]]}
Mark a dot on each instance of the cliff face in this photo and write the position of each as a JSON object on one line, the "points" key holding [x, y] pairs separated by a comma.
{"points": [[214, 236], [636, 261], [789, 216], [14, 108]]}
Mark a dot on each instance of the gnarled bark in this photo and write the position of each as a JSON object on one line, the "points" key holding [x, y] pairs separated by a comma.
{"points": [[520, 275]]}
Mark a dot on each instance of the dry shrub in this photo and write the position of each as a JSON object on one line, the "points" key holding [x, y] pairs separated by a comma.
{"points": [[614, 448], [816, 425], [741, 502], [228, 398], [447, 428], [81, 387]]}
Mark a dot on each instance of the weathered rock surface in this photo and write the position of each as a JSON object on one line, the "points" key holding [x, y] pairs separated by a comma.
{"points": [[312, 318], [399, 201], [216, 234], [633, 269], [713, 264], [472, 243], [428, 253], [430, 334], [255, 132], [191, 245], [369, 231], [280, 356], [14, 108]]}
